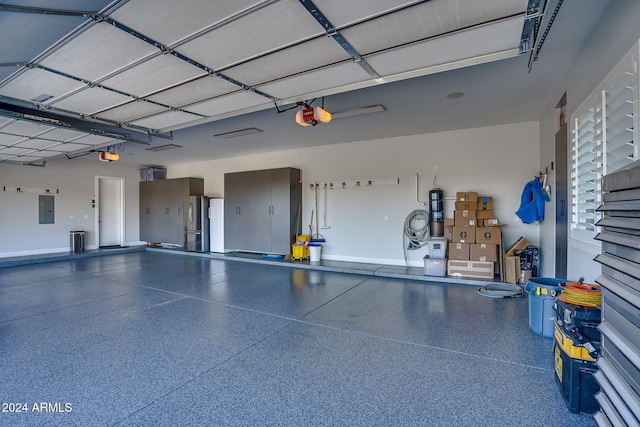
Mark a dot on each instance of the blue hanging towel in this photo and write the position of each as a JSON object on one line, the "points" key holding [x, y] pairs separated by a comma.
{"points": [[532, 202]]}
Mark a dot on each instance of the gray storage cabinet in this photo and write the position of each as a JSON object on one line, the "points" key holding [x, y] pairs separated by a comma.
{"points": [[161, 204], [619, 363], [260, 210]]}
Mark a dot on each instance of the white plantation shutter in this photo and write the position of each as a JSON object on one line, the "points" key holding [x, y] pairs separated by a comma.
{"points": [[603, 139]]}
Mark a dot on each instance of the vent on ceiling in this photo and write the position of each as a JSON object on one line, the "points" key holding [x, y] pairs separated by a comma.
{"points": [[236, 133], [455, 95], [358, 111], [164, 147]]}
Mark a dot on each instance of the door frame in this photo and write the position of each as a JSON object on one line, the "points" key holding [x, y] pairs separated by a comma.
{"points": [[97, 199], [562, 201]]}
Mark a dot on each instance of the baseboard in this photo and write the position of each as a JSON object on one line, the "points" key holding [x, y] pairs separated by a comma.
{"points": [[58, 250], [363, 260], [34, 252]]}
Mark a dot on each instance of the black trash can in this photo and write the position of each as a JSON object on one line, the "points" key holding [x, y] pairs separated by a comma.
{"points": [[77, 241]]}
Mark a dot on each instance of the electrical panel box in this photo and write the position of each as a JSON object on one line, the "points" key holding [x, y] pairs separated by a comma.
{"points": [[46, 209]]}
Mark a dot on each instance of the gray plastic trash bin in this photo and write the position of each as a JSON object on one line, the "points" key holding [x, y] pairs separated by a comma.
{"points": [[542, 295], [77, 241]]}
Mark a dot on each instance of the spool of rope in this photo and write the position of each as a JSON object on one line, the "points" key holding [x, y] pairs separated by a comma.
{"points": [[498, 291], [580, 293]]}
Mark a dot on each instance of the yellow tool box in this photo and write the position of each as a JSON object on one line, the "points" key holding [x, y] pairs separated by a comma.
{"points": [[576, 380], [569, 346]]}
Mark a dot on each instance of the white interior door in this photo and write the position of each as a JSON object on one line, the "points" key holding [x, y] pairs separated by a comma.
{"points": [[110, 211]]}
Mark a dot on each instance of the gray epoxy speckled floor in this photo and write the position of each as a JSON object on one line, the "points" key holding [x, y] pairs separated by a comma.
{"points": [[151, 338]]}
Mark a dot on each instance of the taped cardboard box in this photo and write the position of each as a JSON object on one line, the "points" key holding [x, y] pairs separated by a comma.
{"points": [[465, 217], [519, 245], [482, 215], [448, 233], [464, 235], [475, 269], [488, 235], [470, 206], [490, 222], [512, 269], [469, 196], [483, 252], [448, 222], [485, 203], [459, 251]]}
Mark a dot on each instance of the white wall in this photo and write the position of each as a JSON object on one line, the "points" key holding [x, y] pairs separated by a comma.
{"points": [[366, 223], [615, 33], [20, 232]]}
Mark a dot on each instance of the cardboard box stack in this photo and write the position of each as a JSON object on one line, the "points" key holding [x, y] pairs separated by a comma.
{"points": [[474, 237]]}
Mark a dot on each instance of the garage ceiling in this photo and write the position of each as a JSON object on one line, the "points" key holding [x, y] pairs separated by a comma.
{"points": [[137, 76], [89, 74]]}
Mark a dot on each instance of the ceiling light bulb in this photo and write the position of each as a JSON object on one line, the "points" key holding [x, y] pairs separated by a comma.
{"points": [[106, 156]]}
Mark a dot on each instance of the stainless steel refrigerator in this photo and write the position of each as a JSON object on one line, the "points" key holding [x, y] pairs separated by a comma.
{"points": [[196, 223]]}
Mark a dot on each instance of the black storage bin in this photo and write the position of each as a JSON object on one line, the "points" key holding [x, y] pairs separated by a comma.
{"points": [[585, 319], [577, 382]]}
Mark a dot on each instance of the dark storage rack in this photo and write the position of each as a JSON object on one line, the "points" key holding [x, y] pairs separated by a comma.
{"points": [[619, 364]]}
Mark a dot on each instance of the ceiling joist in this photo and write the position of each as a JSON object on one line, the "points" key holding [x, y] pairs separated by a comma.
{"points": [[45, 11], [339, 38], [50, 118]]}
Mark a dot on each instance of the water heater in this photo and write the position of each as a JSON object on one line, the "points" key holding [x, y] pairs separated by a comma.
{"points": [[436, 216]]}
